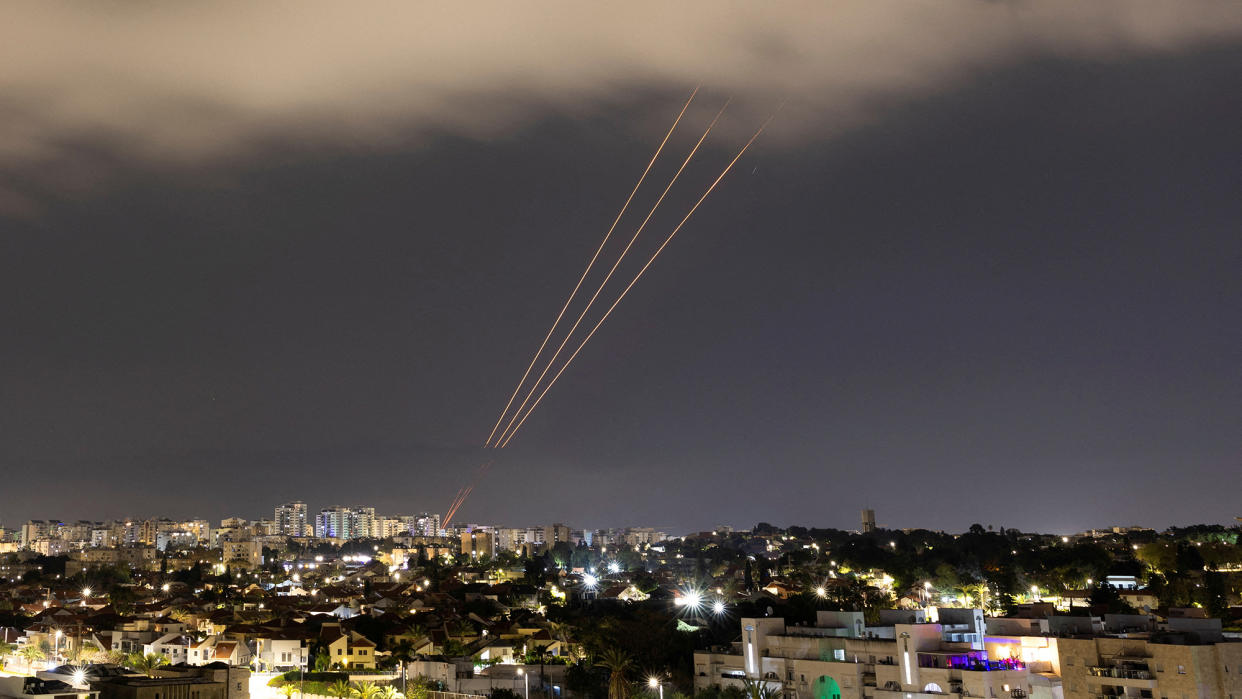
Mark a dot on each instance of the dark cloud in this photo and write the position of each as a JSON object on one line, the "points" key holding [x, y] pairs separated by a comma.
{"points": [[985, 269]]}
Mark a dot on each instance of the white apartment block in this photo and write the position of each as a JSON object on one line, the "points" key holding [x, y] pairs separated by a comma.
{"points": [[904, 657]]}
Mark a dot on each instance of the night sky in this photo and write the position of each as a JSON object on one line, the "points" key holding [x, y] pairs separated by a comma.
{"points": [[985, 266]]}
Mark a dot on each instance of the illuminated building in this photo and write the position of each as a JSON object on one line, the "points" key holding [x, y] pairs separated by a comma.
{"points": [[841, 657], [478, 544], [291, 518]]}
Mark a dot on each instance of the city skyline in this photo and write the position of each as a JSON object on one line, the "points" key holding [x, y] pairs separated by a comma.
{"points": [[992, 279]]}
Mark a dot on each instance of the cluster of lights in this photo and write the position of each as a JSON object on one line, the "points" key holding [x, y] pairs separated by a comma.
{"points": [[695, 601]]}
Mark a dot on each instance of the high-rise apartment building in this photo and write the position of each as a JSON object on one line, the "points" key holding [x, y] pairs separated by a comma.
{"points": [[478, 544], [425, 524], [554, 534], [291, 518], [346, 523]]}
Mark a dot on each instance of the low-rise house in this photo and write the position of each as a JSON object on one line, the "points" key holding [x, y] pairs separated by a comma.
{"points": [[174, 646], [348, 649], [281, 650], [216, 649]]}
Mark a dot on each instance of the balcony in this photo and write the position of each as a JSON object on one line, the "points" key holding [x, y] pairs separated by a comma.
{"points": [[1114, 681], [1121, 673]]}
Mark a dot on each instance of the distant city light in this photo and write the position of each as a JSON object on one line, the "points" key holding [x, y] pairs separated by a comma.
{"points": [[590, 581]]}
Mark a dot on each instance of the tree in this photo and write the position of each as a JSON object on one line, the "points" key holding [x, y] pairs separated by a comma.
{"points": [[323, 661], [403, 652], [759, 689], [31, 653], [364, 690], [5, 649], [146, 664], [618, 664], [389, 692], [340, 689], [287, 690]]}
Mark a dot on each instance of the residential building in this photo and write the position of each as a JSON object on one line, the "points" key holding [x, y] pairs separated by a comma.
{"points": [[281, 651], [341, 522], [554, 534], [246, 554], [348, 649], [478, 544], [1122, 655], [173, 646], [841, 657], [216, 648]]}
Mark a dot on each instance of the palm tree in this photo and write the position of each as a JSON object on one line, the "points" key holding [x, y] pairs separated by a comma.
{"points": [[323, 661], [31, 653], [146, 664], [758, 689], [5, 649], [618, 663], [417, 632], [389, 692], [403, 652], [364, 690], [541, 654], [287, 690], [340, 689]]}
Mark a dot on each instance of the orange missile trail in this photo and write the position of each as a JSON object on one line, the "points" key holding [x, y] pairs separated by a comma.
{"points": [[608, 276], [635, 280], [586, 271], [465, 493]]}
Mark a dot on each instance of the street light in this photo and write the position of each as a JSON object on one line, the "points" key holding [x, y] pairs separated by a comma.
{"points": [[56, 650], [525, 682], [656, 684]]}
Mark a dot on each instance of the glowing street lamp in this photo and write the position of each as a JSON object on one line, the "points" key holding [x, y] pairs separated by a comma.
{"points": [[718, 608], [656, 684], [821, 592], [525, 681]]}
